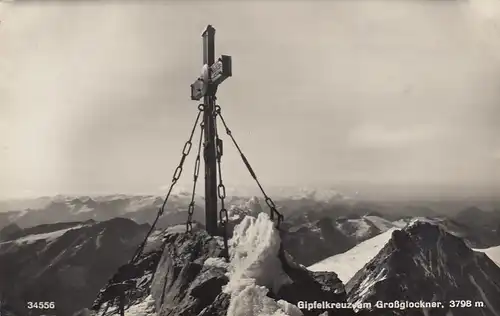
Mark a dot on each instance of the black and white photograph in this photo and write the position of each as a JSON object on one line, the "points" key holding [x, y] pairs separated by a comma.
{"points": [[250, 158]]}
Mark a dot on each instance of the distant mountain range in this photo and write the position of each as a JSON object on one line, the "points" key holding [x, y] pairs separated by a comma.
{"points": [[140, 208], [65, 249]]}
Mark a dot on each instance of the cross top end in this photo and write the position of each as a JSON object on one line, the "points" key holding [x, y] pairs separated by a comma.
{"points": [[214, 72], [209, 30]]}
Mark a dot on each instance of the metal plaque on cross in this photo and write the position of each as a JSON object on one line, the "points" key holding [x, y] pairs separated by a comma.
{"points": [[212, 77]]}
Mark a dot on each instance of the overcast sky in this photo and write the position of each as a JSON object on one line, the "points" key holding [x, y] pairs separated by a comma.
{"points": [[94, 98]]}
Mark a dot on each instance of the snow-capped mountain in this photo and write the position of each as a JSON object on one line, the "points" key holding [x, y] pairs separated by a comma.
{"points": [[187, 276], [65, 263], [348, 263], [424, 262]]}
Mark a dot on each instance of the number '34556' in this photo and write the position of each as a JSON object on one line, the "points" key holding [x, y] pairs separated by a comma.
{"points": [[41, 305]]}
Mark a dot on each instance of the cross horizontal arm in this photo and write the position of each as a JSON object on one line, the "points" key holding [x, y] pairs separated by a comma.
{"points": [[220, 71]]}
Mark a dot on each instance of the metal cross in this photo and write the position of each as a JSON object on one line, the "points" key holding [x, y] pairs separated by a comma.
{"points": [[213, 74]]}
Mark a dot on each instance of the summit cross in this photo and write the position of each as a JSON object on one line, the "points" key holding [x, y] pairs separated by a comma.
{"points": [[214, 72]]}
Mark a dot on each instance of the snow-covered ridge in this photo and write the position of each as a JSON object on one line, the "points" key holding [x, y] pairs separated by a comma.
{"points": [[348, 263], [48, 237]]}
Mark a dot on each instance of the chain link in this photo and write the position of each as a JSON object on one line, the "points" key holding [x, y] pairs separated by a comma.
{"points": [[189, 223], [221, 191], [272, 206], [177, 173]]}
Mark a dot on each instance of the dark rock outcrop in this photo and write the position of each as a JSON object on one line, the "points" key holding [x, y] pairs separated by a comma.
{"points": [[9, 231], [190, 276], [311, 286], [182, 284], [174, 275]]}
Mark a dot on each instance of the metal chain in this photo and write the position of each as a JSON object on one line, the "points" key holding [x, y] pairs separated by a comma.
{"points": [[177, 173], [268, 200], [189, 223], [221, 191]]}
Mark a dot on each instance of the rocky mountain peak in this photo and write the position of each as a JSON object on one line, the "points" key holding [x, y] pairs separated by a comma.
{"points": [[187, 275], [425, 262]]}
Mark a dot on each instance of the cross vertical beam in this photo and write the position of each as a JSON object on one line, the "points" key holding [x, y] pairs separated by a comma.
{"points": [[214, 72], [209, 122]]}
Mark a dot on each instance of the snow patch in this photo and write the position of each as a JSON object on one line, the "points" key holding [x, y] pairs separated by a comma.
{"points": [[255, 268], [176, 229], [254, 252], [144, 279], [98, 242], [84, 209], [369, 282], [417, 220], [400, 223], [138, 203], [216, 262], [348, 263], [252, 301], [142, 308], [493, 253], [289, 309], [48, 237]]}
